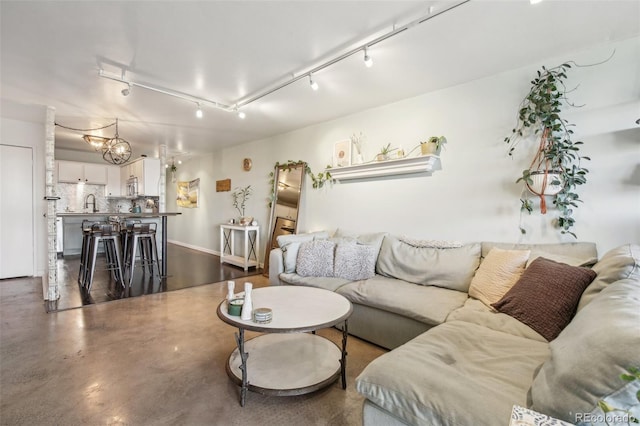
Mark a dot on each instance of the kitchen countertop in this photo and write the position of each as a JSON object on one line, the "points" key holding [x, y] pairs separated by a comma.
{"points": [[103, 214]]}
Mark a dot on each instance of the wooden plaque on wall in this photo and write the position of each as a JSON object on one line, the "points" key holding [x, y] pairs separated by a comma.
{"points": [[223, 185]]}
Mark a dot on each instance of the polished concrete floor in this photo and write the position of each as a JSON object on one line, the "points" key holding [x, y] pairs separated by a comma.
{"points": [[185, 268], [152, 360]]}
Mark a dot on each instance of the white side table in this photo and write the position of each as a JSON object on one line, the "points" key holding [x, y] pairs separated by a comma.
{"points": [[228, 252]]}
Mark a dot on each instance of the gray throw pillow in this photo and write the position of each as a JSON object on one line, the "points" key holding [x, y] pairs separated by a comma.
{"points": [[315, 259], [355, 261]]}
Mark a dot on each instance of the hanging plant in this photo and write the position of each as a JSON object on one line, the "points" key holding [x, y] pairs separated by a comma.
{"points": [[317, 180], [556, 169]]}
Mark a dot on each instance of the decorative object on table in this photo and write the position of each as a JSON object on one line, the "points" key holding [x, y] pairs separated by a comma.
{"points": [[556, 167], [231, 288], [223, 185], [240, 197], [247, 307], [342, 153], [150, 206], [234, 307], [357, 141], [188, 194], [246, 164], [254, 222], [135, 208], [385, 153], [433, 145], [262, 315]]}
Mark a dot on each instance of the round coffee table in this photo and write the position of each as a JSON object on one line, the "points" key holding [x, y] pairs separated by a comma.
{"points": [[286, 360]]}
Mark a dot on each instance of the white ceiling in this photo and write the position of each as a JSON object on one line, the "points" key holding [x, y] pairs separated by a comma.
{"points": [[227, 51]]}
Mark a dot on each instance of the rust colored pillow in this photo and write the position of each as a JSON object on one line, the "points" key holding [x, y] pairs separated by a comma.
{"points": [[546, 296]]}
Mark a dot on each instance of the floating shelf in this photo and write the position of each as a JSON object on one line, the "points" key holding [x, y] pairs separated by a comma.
{"points": [[402, 166]]}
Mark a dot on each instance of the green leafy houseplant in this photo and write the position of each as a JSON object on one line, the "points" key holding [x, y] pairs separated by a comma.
{"points": [[433, 145], [633, 373], [240, 197], [557, 159], [317, 180]]}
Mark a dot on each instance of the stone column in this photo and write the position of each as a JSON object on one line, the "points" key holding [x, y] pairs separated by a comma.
{"points": [[53, 292]]}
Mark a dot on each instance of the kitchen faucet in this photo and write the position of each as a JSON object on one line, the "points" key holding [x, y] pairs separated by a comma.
{"points": [[86, 202]]}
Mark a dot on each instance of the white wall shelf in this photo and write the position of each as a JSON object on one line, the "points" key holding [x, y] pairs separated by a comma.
{"points": [[402, 166]]}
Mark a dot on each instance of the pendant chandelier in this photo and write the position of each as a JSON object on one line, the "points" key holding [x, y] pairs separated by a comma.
{"points": [[116, 150]]}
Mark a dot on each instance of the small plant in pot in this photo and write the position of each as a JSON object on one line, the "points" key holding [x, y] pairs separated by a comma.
{"points": [[556, 169], [433, 145], [240, 197], [383, 155]]}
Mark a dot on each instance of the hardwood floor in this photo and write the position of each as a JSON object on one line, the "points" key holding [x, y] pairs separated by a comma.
{"points": [[185, 268]]}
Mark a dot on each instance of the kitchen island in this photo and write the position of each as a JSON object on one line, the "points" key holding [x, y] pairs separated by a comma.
{"points": [[72, 225]]}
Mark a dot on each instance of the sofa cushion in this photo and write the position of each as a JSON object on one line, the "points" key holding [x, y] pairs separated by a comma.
{"points": [[371, 239], [498, 272], [327, 283], [430, 243], [575, 254], [426, 304], [476, 312], [546, 295], [619, 263], [355, 261], [589, 355], [450, 268], [289, 244], [315, 258], [454, 374]]}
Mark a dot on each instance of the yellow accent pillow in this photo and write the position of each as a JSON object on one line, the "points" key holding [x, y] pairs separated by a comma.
{"points": [[498, 272]]}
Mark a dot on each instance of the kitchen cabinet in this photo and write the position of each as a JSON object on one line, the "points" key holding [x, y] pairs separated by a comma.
{"points": [[75, 172], [147, 170], [112, 189]]}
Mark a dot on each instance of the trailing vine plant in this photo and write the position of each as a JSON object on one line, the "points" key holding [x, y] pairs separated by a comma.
{"points": [[317, 180], [539, 114]]}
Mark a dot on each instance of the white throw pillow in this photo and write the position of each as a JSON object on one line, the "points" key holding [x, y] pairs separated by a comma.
{"points": [[355, 261], [289, 244], [498, 272], [315, 259]]}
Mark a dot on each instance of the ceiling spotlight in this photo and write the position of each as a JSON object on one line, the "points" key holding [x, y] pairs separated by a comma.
{"points": [[199, 112], [367, 59], [534, 1], [241, 115], [126, 90], [313, 84]]}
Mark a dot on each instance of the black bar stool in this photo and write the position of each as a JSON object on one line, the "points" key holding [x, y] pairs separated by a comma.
{"points": [[109, 235], [83, 271], [141, 237]]}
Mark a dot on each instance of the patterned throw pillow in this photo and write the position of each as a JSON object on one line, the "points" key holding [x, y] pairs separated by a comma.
{"points": [[441, 244], [546, 296], [315, 259], [355, 261]]}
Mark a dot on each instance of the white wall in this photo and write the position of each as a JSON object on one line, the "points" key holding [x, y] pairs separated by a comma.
{"points": [[24, 125], [474, 197]]}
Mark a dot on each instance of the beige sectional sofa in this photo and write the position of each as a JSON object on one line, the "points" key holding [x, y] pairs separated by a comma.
{"points": [[472, 334]]}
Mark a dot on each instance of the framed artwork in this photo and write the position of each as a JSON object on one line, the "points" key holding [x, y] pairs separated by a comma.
{"points": [[342, 153], [188, 194]]}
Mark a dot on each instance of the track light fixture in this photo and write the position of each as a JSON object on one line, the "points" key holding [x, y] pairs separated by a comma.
{"points": [[259, 94], [199, 111], [367, 59], [313, 83]]}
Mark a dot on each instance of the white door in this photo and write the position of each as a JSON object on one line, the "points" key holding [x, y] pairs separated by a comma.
{"points": [[16, 212]]}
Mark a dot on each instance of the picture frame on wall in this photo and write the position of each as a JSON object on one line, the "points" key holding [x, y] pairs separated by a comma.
{"points": [[342, 153]]}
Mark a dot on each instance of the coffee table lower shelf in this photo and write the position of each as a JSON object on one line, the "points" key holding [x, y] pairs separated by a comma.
{"points": [[287, 364]]}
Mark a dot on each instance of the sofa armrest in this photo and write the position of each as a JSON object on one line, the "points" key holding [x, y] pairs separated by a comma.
{"points": [[276, 266]]}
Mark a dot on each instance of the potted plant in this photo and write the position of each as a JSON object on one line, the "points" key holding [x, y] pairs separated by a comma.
{"points": [[383, 155], [433, 145], [240, 197], [556, 168]]}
